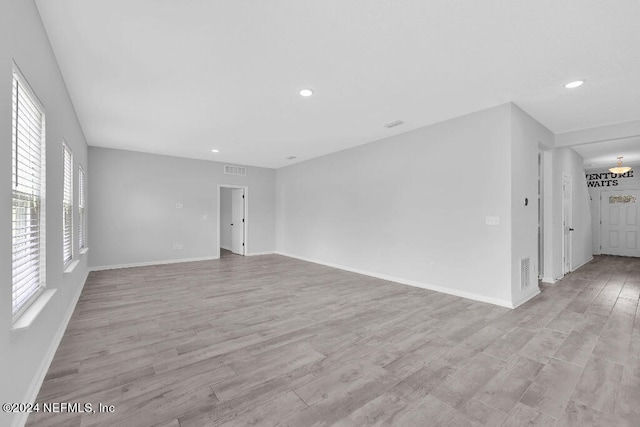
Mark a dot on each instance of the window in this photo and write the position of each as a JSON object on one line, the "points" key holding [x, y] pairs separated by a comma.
{"points": [[28, 196], [82, 222], [622, 199], [67, 204]]}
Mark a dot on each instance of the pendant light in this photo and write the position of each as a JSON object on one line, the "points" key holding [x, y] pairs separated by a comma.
{"points": [[620, 169]]}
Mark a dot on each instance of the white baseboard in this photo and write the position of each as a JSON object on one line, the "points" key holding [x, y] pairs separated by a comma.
{"points": [[583, 263], [260, 253], [148, 263], [549, 280], [535, 291], [225, 248], [41, 373], [454, 292]]}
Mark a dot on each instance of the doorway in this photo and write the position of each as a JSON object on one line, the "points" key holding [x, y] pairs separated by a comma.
{"points": [[232, 219], [567, 223], [619, 223]]}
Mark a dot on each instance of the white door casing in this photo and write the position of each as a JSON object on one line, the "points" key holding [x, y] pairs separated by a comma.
{"points": [[620, 219]]}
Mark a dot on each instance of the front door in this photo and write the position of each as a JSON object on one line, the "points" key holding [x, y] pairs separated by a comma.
{"points": [[619, 211]]}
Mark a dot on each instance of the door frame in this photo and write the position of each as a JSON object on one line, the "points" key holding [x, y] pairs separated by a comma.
{"points": [[245, 224], [566, 262]]}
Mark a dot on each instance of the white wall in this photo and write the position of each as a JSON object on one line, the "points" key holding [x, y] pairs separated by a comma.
{"points": [[25, 354], [134, 219], [527, 136], [225, 218], [400, 206], [628, 183], [568, 161]]}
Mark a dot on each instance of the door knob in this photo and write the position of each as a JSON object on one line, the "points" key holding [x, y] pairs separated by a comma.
{"points": [[571, 229]]}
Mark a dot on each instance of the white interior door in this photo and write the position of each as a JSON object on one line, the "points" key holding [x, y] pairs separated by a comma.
{"points": [[567, 223], [619, 217], [237, 221]]}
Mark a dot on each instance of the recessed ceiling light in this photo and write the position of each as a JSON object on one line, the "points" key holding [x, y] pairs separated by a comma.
{"points": [[575, 84], [306, 92], [215, 150]]}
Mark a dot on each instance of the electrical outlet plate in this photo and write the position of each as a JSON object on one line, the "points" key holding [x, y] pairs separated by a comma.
{"points": [[492, 220]]}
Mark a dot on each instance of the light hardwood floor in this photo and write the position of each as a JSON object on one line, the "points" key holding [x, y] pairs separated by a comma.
{"points": [[270, 340]]}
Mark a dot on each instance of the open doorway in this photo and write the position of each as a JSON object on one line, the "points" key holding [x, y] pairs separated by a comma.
{"points": [[232, 219]]}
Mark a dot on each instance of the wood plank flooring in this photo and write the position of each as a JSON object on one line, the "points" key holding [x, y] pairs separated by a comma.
{"points": [[270, 340]]}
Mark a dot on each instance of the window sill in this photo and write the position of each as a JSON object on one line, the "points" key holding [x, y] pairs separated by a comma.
{"points": [[84, 251], [26, 319], [71, 266]]}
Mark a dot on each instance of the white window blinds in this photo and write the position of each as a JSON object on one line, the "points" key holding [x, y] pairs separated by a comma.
{"points": [[28, 196], [82, 222], [67, 204]]}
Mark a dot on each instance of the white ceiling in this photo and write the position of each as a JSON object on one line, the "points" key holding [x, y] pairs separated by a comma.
{"points": [[604, 154], [183, 77]]}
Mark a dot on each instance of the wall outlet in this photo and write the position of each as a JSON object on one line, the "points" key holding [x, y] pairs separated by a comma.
{"points": [[433, 265], [178, 246], [205, 217], [179, 205], [492, 220]]}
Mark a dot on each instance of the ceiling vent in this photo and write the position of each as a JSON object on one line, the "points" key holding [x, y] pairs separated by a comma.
{"points": [[394, 124], [235, 170], [525, 273]]}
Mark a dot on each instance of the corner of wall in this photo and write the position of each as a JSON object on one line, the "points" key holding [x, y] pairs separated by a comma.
{"points": [[527, 137]]}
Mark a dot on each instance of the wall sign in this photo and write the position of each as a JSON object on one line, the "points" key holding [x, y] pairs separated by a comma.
{"points": [[606, 179]]}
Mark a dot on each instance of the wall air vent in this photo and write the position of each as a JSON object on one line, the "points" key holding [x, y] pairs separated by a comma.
{"points": [[394, 124], [235, 170], [525, 273]]}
